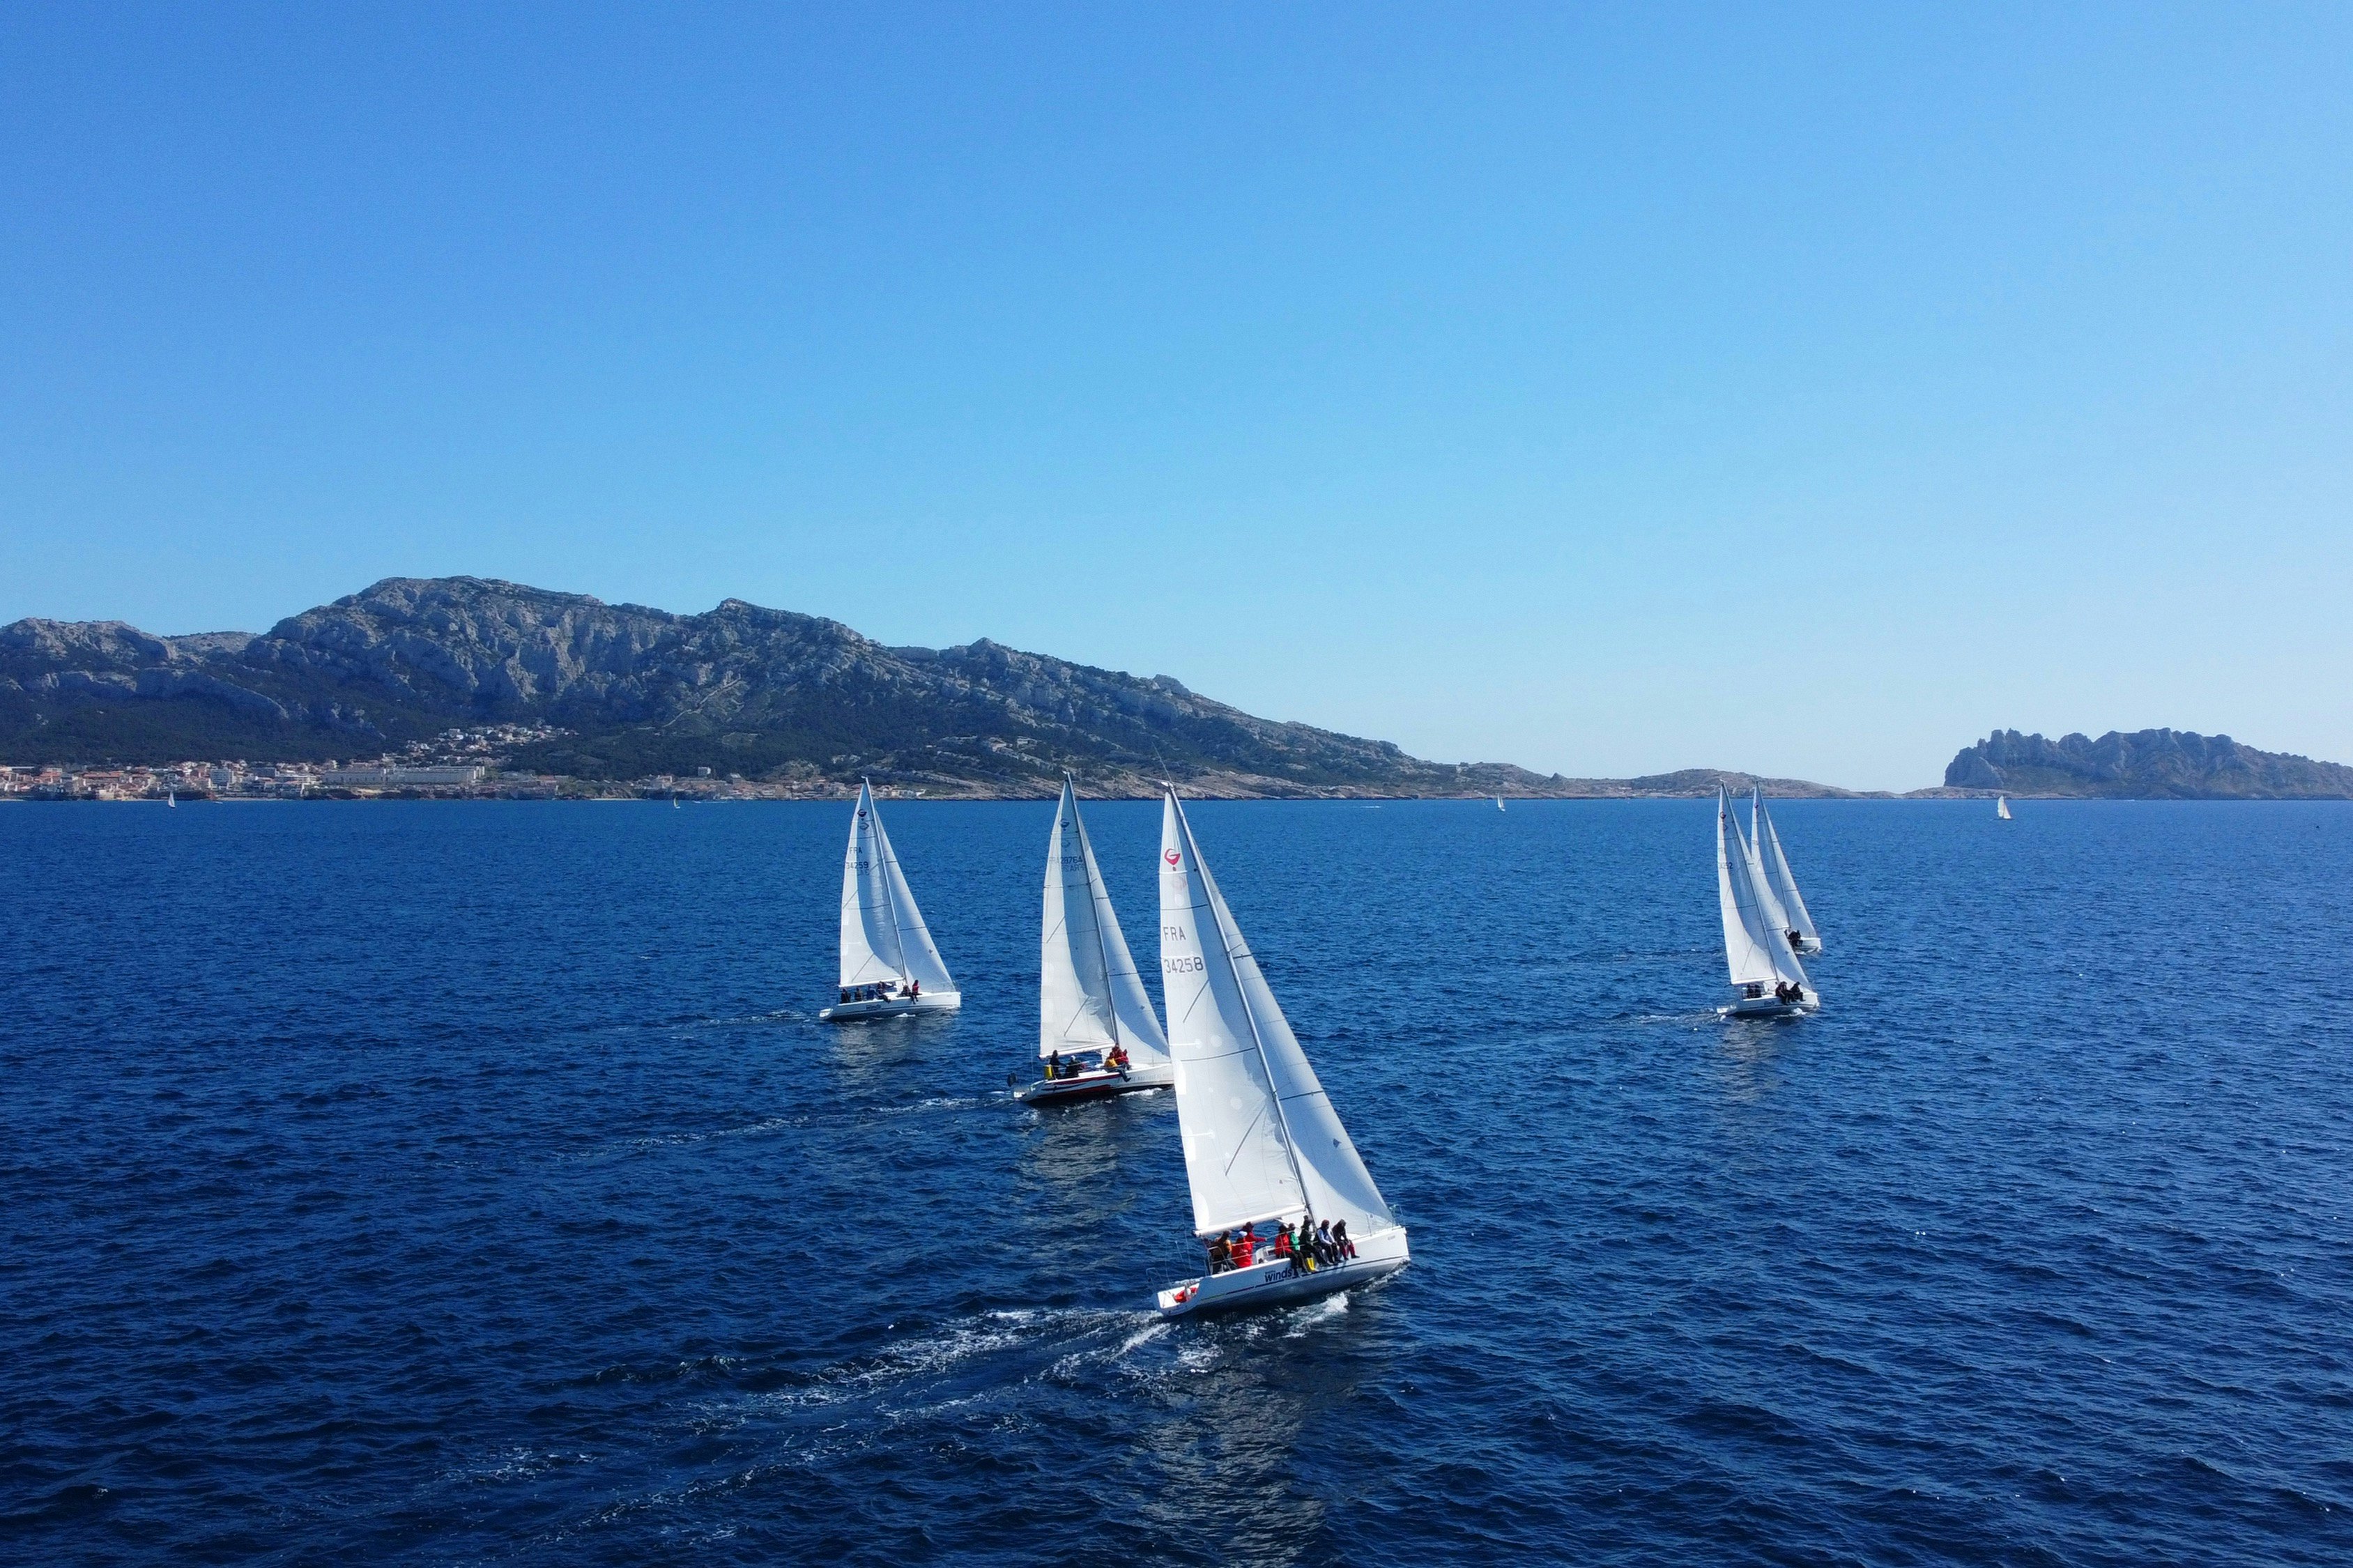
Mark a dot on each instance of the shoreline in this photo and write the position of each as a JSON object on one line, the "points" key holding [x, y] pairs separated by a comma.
{"points": [[1916, 797]]}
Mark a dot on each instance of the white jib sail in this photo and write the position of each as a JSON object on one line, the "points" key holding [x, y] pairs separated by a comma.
{"points": [[882, 933], [1090, 997], [1261, 1140], [1777, 872], [2001, 806], [1754, 949]]}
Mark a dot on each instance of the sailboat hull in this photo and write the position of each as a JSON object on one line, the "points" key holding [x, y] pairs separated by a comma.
{"points": [[1096, 1085], [1274, 1282], [894, 1007], [1770, 1007]]}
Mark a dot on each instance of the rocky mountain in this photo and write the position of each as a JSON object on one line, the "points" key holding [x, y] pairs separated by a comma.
{"points": [[742, 690], [2148, 763]]}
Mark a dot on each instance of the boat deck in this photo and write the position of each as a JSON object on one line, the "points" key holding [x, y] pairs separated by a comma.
{"points": [[1770, 1007], [890, 1007], [1095, 1084], [1273, 1281]]}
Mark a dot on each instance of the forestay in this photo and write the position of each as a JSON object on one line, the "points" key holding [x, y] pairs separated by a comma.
{"points": [[1778, 880], [1090, 997], [882, 933], [1756, 949], [1261, 1140]]}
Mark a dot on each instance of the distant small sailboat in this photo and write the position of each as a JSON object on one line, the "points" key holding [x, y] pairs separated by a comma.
{"points": [[1756, 951], [889, 964], [1796, 925], [2001, 806], [673, 803], [1095, 1025], [1499, 803], [1261, 1139], [171, 799]]}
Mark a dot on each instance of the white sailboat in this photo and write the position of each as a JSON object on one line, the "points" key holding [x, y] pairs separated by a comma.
{"points": [[172, 798], [1261, 1140], [1499, 803], [1095, 1026], [889, 964], [2001, 806], [1756, 944], [1797, 926]]}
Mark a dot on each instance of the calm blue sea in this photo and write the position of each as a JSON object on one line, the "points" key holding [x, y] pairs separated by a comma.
{"points": [[473, 1184]]}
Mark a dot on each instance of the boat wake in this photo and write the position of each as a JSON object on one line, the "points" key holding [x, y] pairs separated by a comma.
{"points": [[1316, 1314], [681, 1139], [971, 1356], [1692, 1020], [939, 1102]]}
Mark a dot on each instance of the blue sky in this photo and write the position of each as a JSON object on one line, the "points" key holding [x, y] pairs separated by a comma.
{"points": [[1801, 389]]}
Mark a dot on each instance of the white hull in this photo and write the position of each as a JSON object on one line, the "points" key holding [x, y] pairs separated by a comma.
{"points": [[892, 1007], [1771, 1007], [1272, 1282], [1097, 1084]]}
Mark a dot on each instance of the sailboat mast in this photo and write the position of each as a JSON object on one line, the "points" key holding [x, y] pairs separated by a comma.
{"points": [[1087, 864], [1250, 1014]]}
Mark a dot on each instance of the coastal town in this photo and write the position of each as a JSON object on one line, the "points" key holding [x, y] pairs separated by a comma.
{"points": [[456, 764]]}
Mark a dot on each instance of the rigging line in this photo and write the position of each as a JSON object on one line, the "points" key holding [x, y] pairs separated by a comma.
{"points": [[1750, 871], [1241, 1143], [1250, 1014], [882, 861], [1094, 880], [1758, 823], [1723, 820], [1782, 928]]}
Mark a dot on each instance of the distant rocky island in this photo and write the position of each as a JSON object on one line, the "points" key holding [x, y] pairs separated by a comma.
{"points": [[2145, 765], [621, 699]]}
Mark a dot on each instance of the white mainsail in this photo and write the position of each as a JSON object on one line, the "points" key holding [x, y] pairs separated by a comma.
{"points": [[882, 933], [1090, 997], [2001, 806], [1261, 1139], [1776, 866], [1756, 949]]}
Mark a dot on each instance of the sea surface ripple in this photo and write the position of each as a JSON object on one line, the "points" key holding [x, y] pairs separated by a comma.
{"points": [[473, 1184]]}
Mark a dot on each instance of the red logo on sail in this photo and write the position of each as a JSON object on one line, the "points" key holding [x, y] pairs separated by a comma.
{"points": [[1171, 856]]}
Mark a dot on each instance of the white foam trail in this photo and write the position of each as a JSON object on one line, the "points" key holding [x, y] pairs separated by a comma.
{"points": [[1321, 1312], [681, 1139], [1149, 1331]]}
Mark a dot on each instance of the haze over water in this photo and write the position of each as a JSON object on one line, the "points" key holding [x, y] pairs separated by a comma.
{"points": [[453, 1183]]}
